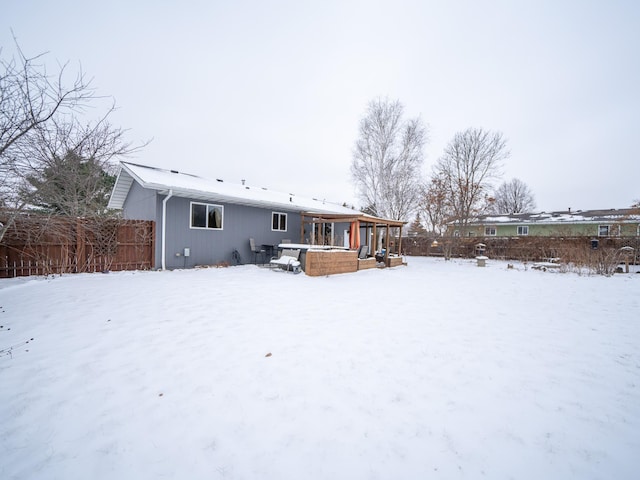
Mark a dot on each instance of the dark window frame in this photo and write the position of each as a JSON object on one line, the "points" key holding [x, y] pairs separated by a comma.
{"points": [[204, 220], [277, 219]]}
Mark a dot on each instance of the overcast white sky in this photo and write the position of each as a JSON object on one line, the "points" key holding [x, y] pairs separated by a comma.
{"points": [[273, 91]]}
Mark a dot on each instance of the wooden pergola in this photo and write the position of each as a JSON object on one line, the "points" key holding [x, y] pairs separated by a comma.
{"points": [[357, 220]]}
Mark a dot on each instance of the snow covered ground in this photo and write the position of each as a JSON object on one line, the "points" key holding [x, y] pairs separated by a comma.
{"points": [[437, 370]]}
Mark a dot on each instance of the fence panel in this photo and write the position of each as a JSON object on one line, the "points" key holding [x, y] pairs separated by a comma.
{"points": [[533, 248], [41, 245]]}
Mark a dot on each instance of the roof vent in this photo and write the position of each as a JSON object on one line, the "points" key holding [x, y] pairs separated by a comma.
{"points": [[219, 180], [243, 180]]}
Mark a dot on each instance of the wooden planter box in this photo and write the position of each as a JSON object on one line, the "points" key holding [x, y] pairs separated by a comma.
{"points": [[329, 262], [363, 264], [394, 261]]}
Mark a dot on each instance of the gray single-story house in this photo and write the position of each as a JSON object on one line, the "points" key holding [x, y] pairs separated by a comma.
{"points": [[207, 222]]}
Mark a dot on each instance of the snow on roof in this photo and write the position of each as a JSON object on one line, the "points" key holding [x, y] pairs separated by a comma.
{"points": [[199, 188], [587, 216]]}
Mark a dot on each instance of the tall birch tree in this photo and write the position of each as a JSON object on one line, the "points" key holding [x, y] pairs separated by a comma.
{"points": [[387, 159]]}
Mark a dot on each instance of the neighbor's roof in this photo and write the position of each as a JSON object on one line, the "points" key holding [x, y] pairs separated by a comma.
{"points": [[620, 215], [198, 188]]}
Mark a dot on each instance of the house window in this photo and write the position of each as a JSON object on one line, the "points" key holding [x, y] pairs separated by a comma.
{"points": [[204, 215], [608, 230], [279, 222], [523, 230], [489, 231]]}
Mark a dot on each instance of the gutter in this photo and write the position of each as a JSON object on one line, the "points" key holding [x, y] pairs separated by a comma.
{"points": [[164, 228]]}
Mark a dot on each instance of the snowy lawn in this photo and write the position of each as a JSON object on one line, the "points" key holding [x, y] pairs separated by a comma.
{"points": [[437, 370]]}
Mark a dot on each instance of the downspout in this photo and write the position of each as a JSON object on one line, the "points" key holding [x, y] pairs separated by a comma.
{"points": [[164, 228]]}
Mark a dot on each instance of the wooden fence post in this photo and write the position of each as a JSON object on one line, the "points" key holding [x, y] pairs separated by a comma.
{"points": [[152, 259], [81, 257]]}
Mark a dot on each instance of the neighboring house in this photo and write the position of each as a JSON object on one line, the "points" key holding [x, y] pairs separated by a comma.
{"points": [[591, 223], [203, 222]]}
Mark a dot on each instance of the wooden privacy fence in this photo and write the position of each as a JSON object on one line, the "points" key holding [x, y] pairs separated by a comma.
{"points": [[44, 245], [530, 248]]}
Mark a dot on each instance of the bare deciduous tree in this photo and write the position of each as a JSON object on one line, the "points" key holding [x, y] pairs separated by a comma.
{"points": [[512, 197], [387, 159], [469, 165], [30, 97], [39, 125], [434, 204], [68, 170]]}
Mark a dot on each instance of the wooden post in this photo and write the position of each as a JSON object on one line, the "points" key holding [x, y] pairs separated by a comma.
{"points": [[81, 258], [152, 258], [302, 228], [386, 246], [375, 239], [400, 242]]}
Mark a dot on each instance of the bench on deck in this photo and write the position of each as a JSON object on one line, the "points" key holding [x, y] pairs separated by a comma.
{"points": [[288, 260]]}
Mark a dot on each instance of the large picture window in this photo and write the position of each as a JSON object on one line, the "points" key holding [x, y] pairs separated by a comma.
{"points": [[279, 222], [204, 215]]}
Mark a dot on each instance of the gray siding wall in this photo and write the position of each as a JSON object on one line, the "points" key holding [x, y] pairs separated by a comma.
{"points": [[143, 204], [208, 246], [140, 204]]}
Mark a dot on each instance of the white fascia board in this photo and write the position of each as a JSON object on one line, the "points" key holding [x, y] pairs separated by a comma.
{"points": [[120, 190]]}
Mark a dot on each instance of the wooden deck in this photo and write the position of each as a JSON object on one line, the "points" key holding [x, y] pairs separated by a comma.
{"points": [[329, 262]]}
